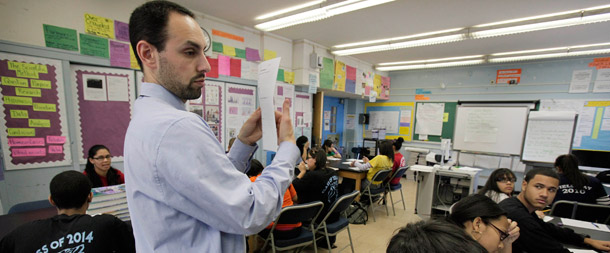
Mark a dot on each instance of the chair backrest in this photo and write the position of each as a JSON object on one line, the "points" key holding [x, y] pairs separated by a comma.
{"points": [[341, 204], [399, 172], [29, 206], [581, 211], [381, 175], [299, 213]]}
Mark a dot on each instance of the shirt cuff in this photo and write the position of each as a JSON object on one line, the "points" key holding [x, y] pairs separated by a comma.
{"points": [[288, 151], [242, 152]]}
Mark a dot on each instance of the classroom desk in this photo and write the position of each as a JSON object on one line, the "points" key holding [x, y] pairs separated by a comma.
{"points": [[343, 170], [11, 221], [595, 234]]}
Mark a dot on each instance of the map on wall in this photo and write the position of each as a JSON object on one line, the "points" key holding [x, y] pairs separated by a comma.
{"points": [[32, 120]]}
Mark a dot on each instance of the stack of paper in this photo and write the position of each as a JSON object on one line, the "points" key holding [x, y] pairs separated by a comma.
{"points": [[110, 200]]}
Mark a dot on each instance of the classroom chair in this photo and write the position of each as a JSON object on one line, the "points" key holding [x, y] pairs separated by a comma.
{"points": [[581, 211], [304, 213], [332, 229], [377, 191], [394, 187], [29, 206]]}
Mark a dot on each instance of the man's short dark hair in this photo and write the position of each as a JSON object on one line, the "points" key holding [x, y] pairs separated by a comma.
{"points": [[540, 171], [433, 236], [70, 189], [149, 23]]}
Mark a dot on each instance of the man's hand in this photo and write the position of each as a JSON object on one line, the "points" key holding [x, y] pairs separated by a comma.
{"points": [[597, 244], [251, 131], [285, 131]]}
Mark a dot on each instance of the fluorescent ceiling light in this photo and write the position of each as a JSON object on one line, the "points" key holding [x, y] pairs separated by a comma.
{"points": [[546, 56], [318, 14], [396, 38], [399, 45], [557, 14], [431, 60], [432, 65], [289, 9]]}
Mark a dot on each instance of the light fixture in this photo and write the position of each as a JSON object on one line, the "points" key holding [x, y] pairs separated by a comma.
{"points": [[318, 14], [521, 25], [524, 55], [289, 9]]}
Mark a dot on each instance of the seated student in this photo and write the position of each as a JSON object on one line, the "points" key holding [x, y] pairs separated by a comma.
{"points": [[576, 186], [537, 191], [500, 185], [315, 182], [433, 236], [330, 149], [282, 231], [303, 145], [399, 160], [98, 168], [383, 161], [71, 230], [486, 222]]}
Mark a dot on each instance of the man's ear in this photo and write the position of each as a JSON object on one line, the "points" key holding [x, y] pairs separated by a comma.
{"points": [[90, 197], [51, 201], [523, 185], [148, 54]]}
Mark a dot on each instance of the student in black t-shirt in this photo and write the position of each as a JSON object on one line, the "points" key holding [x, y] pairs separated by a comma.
{"points": [[71, 230], [576, 186]]}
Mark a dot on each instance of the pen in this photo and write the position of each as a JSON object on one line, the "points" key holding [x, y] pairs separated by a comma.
{"points": [[595, 224]]}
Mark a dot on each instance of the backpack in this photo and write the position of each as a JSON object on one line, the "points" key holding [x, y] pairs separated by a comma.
{"points": [[357, 214]]}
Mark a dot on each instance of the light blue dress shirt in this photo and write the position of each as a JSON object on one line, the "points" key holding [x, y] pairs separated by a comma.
{"points": [[184, 193]]}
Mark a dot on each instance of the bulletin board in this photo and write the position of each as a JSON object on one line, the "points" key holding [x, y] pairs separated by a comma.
{"points": [[448, 123], [395, 117], [104, 99], [213, 98], [240, 103], [33, 124]]}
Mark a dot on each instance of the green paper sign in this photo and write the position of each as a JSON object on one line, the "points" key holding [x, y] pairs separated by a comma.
{"points": [[93, 45], [217, 47], [327, 73], [59, 37], [240, 53], [280, 75]]}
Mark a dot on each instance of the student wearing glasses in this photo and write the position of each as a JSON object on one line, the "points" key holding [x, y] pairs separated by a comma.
{"points": [[485, 222], [98, 168], [500, 185], [537, 191]]}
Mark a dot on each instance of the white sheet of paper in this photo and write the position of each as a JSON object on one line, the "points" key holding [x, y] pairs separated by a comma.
{"points": [[580, 81], [94, 87], [585, 224], [267, 73], [117, 88]]}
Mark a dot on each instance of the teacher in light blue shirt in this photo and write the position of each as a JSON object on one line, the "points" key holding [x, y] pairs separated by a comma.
{"points": [[184, 193]]}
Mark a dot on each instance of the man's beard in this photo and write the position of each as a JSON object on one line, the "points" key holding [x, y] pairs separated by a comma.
{"points": [[169, 80]]}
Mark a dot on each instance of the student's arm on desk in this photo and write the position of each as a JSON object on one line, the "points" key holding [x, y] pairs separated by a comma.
{"points": [[361, 166], [597, 244]]}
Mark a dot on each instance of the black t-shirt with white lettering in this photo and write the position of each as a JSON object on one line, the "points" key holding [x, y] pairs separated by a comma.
{"points": [[71, 234]]}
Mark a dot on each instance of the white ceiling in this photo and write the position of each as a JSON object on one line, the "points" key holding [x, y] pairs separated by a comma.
{"points": [[407, 17]]}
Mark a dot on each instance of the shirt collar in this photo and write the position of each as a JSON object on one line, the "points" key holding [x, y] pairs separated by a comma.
{"points": [[157, 91]]}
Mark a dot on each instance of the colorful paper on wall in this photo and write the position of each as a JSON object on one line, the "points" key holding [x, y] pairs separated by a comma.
{"points": [[94, 46], [350, 73], [269, 54], [227, 35], [213, 68], [289, 77], [241, 53], [132, 59], [327, 73], [217, 47], [252, 54], [385, 87], [224, 65], [236, 67], [350, 86], [339, 83], [119, 54], [228, 50], [59, 37], [100, 26], [280, 75], [121, 31], [377, 84]]}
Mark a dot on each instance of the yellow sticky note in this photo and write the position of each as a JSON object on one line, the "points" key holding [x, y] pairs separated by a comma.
{"points": [[27, 92], [12, 100], [597, 103], [44, 107], [100, 26], [43, 84], [13, 81], [598, 123], [228, 50], [39, 123], [19, 114], [445, 117], [268, 54], [288, 77], [133, 60], [21, 131]]}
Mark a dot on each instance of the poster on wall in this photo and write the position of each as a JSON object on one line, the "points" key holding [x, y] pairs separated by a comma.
{"points": [[32, 120], [284, 91], [302, 113], [240, 103], [104, 99], [213, 108]]}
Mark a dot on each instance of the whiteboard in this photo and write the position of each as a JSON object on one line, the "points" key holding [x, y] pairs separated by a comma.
{"points": [[548, 135], [490, 129]]}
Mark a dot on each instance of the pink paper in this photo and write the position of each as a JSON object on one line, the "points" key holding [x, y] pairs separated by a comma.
{"points": [[21, 142], [121, 31], [119, 54], [56, 139], [56, 149], [233, 110], [224, 65], [351, 72], [252, 54], [20, 152], [367, 90]]}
